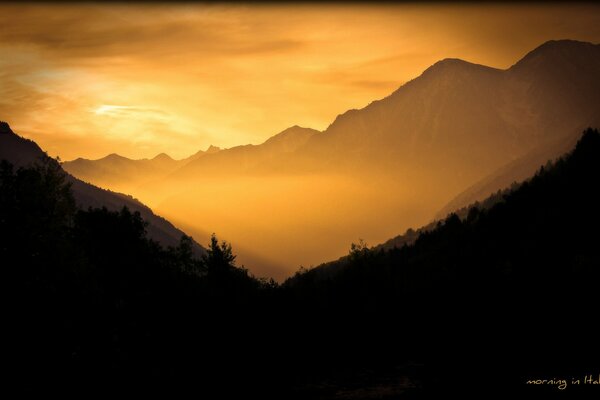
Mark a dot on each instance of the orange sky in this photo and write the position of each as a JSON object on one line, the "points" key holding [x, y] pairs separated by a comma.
{"points": [[88, 80]]}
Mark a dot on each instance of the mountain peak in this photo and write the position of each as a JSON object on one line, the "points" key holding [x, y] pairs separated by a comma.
{"points": [[212, 149], [163, 157], [114, 157], [559, 51], [5, 128], [291, 138], [456, 65], [295, 130], [452, 62], [561, 44]]}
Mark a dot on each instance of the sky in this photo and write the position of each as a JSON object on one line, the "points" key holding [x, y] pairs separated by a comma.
{"points": [[141, 79]]}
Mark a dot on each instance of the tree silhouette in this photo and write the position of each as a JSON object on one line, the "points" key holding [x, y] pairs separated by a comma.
{"points": [[185, 257], [219, 258], [358, 250]]}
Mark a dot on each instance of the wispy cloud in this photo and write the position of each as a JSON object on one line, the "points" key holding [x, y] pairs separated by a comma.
{"points": [[124, 111]]}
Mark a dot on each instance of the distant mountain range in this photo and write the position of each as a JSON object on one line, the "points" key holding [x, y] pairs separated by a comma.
{"points": [[118, 172], [266, 158], [22, 152], [452, 136]]}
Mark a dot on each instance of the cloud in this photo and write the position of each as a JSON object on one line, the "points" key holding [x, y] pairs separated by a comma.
{"points": [[155, 32]]}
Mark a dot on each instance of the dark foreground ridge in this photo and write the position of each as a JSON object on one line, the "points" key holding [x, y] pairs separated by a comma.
{"points": [[481, 304]]}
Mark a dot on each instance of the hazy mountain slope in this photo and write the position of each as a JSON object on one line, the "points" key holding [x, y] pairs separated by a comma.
{"points": [[578, 164], [117, 172], [21, 152], [484, 195], [514, 172], [330, 269]]}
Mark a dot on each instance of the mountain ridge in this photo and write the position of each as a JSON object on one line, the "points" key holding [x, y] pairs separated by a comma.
{"points": [[446, 79], [399, 159]]}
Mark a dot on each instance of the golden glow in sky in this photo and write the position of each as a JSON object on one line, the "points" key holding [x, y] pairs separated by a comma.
{"points": [[138, 80]]}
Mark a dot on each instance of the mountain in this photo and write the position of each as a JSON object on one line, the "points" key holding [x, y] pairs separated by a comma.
{"points": [[400, 159], [468, 119], [123, 174], [252, 159], [482, 295], [455, 124], [290, 139], [22, 152]]}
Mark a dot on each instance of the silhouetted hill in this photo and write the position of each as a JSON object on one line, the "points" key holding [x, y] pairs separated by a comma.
{"points": [[23, 152], [482, 294], [96, 305], [17, 150]]}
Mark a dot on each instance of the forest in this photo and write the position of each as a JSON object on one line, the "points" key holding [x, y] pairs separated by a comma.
{"points": [[483, 301]]}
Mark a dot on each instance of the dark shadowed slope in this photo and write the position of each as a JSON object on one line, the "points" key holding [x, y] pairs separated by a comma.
{"points": [[504, 293], [22, 152]]}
